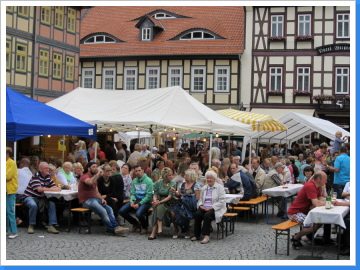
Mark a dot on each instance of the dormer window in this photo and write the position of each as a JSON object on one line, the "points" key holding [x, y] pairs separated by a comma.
{"points": [[146, 34], [162, 16], [197, 35], [99, 39]]}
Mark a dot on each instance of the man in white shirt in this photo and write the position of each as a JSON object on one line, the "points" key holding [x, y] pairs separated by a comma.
{"points": [[144, 151], [24, 176]]}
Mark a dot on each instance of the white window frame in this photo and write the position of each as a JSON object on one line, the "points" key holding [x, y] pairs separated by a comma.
{"points": [[196, 38], [180, 76], [104, 40], [113, 77], [341, 77], [218, 76], [301, 76], [342, 22], [278, 24], [146, 34], [156, 76], [305, 23], [203, 76], [126, 77], [276, 74], [164, 17], [83, 77]]}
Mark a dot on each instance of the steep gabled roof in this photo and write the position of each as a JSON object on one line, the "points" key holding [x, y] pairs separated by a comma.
{"points": [[120, 21]]}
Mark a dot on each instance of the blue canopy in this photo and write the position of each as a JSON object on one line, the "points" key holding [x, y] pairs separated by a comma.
{"points": [[26, 117]]}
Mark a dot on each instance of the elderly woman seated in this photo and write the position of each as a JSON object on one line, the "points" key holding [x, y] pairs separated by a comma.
{"points": [[66, 176], [211, 206], [162, 203], [188, 189]]}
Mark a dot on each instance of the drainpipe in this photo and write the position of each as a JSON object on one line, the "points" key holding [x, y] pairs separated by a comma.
{"points": [[239, 83], [34, 54]]}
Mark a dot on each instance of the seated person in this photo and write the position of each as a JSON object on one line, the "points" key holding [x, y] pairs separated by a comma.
{"points": [[308, 198], [211, 205], [66, 176]]}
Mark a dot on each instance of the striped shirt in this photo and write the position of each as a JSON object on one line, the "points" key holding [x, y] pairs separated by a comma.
{"points": [[208, 198], [36, 182]]}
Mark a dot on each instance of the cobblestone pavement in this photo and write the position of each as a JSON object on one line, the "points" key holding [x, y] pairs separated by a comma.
{"points": [[251, 241]]}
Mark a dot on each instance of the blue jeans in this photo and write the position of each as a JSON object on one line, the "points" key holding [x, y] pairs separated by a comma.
{"points": [[140, 214], [10, 213], [105, 212], [32, 204]]}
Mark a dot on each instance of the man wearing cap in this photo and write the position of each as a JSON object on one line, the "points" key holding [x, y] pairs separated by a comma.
{"points": [[90, 198], [274, 178]]}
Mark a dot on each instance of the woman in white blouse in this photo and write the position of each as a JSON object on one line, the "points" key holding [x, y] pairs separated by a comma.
{"points": [[211, 206], [66, 176]]}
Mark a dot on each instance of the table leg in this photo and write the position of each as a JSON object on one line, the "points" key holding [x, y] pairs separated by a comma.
{"points": [[285, 208], [69, 216], [312, 241], [338, 232]]}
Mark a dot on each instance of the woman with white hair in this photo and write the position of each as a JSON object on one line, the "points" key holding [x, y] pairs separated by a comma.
{"points": [[211, 206], [66, 176], [80, 150]]}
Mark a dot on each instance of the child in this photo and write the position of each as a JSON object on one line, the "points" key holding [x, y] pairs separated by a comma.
{"points": [[338, 142]]}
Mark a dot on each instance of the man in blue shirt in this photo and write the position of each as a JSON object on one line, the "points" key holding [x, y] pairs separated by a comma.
{"points": [[342, 171]]}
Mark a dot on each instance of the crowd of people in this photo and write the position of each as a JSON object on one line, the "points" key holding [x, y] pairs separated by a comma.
{"points": [[117, 182]]}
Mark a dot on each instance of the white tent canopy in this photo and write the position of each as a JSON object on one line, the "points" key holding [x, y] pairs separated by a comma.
{"points": [[299, 125], [157, 109]]}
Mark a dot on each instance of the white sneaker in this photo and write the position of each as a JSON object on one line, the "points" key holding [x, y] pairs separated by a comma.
{"points": [[12, 236]]}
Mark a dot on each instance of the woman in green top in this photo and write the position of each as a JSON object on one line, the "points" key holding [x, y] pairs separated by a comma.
{"points": [[163, 201]]}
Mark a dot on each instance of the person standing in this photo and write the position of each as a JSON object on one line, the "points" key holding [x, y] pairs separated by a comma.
{"points": [[110, 151], [11, 187]]}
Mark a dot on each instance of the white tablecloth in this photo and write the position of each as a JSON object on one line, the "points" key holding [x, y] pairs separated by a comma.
{"points": [[233, 198], [279, 191], [68, 195], [327, 216]]}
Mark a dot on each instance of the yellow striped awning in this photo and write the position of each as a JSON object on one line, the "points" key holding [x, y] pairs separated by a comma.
{"points": [[259, 122]]}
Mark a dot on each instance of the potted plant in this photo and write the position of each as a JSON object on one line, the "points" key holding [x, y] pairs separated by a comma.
{"points": [[303, 37], [276, 92], [301, 92], [347, 97], [322, 97], [277, 38]]}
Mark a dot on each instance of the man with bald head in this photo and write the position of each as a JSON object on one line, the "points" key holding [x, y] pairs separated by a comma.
{"points": [[309, 197]]}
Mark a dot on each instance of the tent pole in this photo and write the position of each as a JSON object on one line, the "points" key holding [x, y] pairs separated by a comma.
{"points": [[15, 146], [228, 147], [63, 148], [95, 153], [210, 145]]}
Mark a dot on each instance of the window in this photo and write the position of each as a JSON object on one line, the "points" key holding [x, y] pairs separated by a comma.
{"points": [[222, 79], [59, 17], [152, 77], [44, 63], [175, 76], [304, 25], [69, 68], [99, 39], [275, 79], [198, 79], [23, 11], [71, 20], [45, 15], [88, 77], [57, 65], [303, 79], [342, 81], [161, 16], [277, 25], [21, 55], [108, 78], [146, 34], [8, 54], [342, 26], [9, 9], [130, 78], [197, 35]]}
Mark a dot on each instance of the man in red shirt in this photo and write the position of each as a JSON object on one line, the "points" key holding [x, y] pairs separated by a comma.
{"points": [[308, 198], [90, 198]]}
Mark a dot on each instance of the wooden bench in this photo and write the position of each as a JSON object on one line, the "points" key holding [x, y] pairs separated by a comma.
{"points": [[246, 210], [229, 219], [86, 213], [283, 229], [254, 204]]}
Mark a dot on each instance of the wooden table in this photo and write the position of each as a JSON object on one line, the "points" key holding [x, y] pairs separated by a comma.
{"points": [[285, 192], [320, 215]]}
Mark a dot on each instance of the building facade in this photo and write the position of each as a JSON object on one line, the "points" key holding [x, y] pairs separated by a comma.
{"points": [[197, 48], [42, 50], [300, 61]]}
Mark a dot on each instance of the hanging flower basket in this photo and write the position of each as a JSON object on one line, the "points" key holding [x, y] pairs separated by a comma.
{"points": [[301, 92], [303, 37], [323, 97], [277, 38], [347, 97], [274, 92]]}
